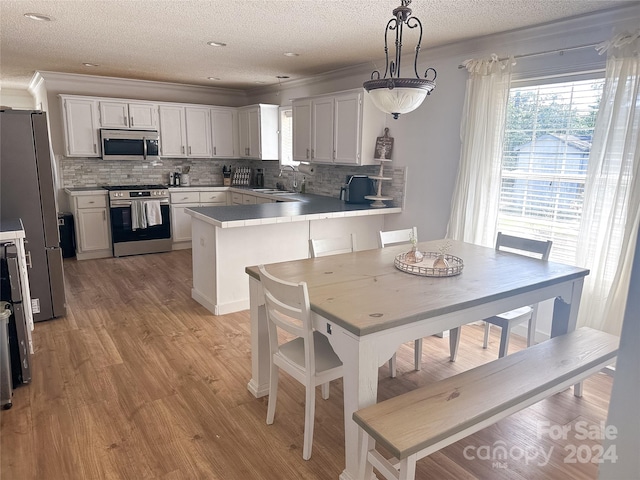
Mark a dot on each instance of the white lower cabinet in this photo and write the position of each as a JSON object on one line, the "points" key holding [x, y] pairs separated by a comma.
{"points": [[91, 218], [181, 221]]}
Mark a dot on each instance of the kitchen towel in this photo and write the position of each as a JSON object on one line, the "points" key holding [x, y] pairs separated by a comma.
{"points": [[154, 214], [138, 215]]}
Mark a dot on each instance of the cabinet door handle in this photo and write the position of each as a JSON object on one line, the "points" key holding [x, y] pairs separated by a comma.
{"points": [[307, 153], [131, 120], [95, 149], [214, 150], [189, 150], [313, 153], [28, 259], [104, 215], [126, 122], [182, 148]]}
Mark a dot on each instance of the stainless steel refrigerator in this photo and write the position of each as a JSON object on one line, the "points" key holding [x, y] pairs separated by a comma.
{"points": [[27, 192]]}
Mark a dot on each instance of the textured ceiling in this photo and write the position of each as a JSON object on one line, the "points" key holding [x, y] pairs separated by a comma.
{"points": [[167, 40]]}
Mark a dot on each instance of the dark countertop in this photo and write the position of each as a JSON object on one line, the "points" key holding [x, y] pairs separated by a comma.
{"points": [[306, 207], [11, 230]]}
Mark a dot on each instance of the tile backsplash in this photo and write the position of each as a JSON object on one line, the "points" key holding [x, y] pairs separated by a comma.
{"points": [[88, 172]]}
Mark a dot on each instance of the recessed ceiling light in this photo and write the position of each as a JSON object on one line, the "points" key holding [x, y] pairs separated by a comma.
{"points": [[282, 76], [38, 16], [291, 54], [260, 81], [217, 44], [87, 64], [213, 78]]}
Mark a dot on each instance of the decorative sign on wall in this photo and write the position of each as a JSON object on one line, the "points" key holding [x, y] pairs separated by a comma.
{"points": [[384, 146]]}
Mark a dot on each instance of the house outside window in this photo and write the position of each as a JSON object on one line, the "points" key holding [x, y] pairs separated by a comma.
{"points": [[547, 142]]}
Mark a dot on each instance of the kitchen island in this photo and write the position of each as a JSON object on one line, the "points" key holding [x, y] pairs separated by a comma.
{"points": [[225, 240]]}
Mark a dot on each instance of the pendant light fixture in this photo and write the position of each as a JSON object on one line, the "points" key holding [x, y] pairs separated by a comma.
{"points": [[391, 93]]}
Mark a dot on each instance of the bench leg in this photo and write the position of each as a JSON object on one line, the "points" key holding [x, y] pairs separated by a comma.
{"points": [[365, 469]]}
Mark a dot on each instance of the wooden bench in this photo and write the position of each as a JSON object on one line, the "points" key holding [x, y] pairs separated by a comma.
{"points": [[422, 421]]}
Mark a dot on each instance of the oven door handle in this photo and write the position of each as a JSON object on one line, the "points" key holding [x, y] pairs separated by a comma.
{"points": [[144, 148], [127, 203]]}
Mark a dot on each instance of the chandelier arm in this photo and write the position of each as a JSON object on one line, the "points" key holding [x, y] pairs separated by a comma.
{"points": [[391, 25], [400, 23], [435, 74], [417, 23]]}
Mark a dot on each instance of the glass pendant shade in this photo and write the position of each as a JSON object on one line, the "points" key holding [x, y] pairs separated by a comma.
{"points": [[396, 97], [391, 93]]}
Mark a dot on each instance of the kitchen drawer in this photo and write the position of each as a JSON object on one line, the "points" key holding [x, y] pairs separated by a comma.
{"points": [[248, 199], [91, 201], [213, 197], [236, 198], [185, 197]]}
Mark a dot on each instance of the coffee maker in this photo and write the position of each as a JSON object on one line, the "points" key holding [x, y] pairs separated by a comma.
{"points": [[259, 177]]}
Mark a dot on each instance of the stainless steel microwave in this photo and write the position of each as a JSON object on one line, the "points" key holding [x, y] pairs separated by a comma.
{"points": [[129, 144]]}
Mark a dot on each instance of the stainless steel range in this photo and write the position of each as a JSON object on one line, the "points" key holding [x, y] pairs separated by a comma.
{"points": [[140, 219]]}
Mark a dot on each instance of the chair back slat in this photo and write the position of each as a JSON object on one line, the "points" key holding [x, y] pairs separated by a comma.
{"points": [[397, 237], [287, 304], [521, 244], [321, 247]]}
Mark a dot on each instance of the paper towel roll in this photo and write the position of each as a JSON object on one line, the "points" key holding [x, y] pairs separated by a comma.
{"points": [[307, 169]]}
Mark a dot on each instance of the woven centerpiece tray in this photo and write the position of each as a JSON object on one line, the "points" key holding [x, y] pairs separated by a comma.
{"points": [[426, 268]]}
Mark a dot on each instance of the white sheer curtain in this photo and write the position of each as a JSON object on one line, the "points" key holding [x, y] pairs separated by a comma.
{"points": [[477, 192], [611, 215]]}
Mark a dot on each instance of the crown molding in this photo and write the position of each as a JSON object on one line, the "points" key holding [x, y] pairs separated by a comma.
{"points": [[74, 82]]}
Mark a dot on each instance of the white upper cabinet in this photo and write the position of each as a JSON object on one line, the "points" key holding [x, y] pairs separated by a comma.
{"points": [[258, 131], [185, 131], [80, 118], [143, 115], [224, 132], [128, 115], [343, 128], [302, 130], [322, 123], [198, 128], [172, 131]]}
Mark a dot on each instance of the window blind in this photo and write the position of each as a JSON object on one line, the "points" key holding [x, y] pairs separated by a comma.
{"points": [[546, 149]]}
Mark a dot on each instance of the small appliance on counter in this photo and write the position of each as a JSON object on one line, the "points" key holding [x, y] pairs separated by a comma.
{"points": [[226, 174], [356, 188], [259, 177]]}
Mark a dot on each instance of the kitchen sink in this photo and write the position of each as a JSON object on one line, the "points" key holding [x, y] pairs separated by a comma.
{"points": [[272, 191]]}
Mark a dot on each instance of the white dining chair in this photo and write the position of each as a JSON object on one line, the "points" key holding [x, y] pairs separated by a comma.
{"points": [[308, 357], [524, 246], [321, 247], [398, 237]]}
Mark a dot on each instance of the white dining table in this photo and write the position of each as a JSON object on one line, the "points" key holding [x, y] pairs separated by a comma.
{"points": [[367, 308]]}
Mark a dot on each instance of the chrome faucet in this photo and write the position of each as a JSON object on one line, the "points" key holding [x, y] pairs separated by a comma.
{"points": [[293, 169]]}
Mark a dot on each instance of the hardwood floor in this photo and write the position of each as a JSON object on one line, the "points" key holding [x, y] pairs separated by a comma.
{"points": [[139, 381]]}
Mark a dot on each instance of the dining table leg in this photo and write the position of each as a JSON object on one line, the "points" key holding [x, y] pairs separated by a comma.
{"points": [[361, 357], [259, 383], [565, 317]]}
